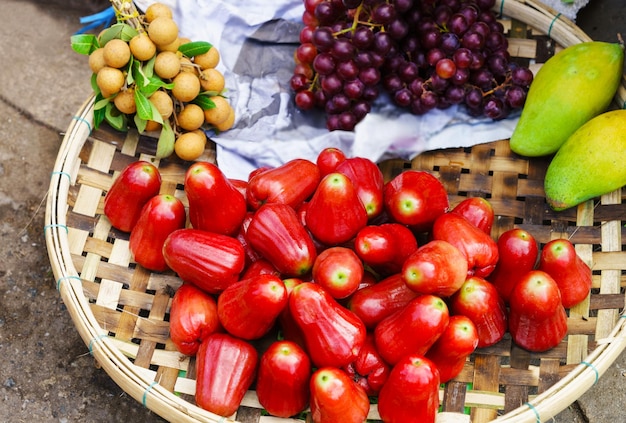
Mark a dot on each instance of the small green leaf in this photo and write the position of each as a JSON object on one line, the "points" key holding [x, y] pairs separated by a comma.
{"points": [[116, 119], [195, 48], [165, 145], [153, 84], [102, 103], [94, 85], [144, 106], [123, 31], [98, 114], [204, 101], [148, 67], [156, 116], [140, 123], [84, 43]]}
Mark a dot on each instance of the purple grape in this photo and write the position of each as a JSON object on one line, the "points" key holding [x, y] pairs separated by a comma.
{"points": [[458, 24], [515, 97], [360, 109], [348, 70], [474, 98], [351, 4], [495, 108], [363, 37], [383, 13], [417, 87], [430, 39], [449, 42], [408, 71], [392, 83], [324, 64], [326, 12], [323, 38], [403, 6], [398, 28], [347, 121], [455, 94], [521, 76], [331, 84], [369, 76], [382, 43], [460, 77], [470, 13], [342, 49], [442, 15], [403, 97], [473, 41], [462, 58], [354, 89]]}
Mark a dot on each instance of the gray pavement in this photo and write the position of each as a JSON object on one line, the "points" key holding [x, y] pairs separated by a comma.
{"points": [[46, 373]]}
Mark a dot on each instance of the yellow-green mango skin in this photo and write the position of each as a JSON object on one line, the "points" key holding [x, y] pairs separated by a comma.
{"points": [[573, 86], [592, 162]]}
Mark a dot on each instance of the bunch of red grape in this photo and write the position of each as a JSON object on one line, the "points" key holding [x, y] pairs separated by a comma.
{"points": [[425, 54]]}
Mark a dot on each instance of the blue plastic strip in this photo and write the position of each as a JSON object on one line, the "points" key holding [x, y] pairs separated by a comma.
{"points": [[58, 172], [592, 367], [534, 411], [103, 18], [145, 394], [552, 23], [502, 8], [94, 340], [64, 278], [80, 119], [56, 225]]}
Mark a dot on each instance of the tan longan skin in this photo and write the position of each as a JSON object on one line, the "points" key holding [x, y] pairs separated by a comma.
{"points": [[228, 123], [219, 113], [96, 60], [152, 126], [156, 10], [116, 53], [186, 65], [186, 86], [142, 47], [190, 145], [173, 46], [191, 117], [110, 81], [125, 101], [163, 103], [163, 31], [212, 80], [167, 65], [208, 60]]}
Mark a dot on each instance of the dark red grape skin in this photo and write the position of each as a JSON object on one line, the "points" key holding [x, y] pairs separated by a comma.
{"points": [[425, 53]]}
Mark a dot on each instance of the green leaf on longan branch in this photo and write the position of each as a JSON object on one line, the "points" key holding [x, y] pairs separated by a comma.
{"points": [[195, 48], [204, 101], [114, 118], [165, 144], [144, 107], [122, 31], [84, 43]]}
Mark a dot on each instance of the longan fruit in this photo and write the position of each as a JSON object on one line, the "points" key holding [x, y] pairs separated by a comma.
{"points": [[190, 145], [191, 117], [186, 65], [173, 46], [163, 103], [110, 81], [142, 47], [186, 86], [219, 113], [167, 64], [116, 53], [96, 60], [152, 126], [184, 40], [212, 80], [228, 123], [156, 10], [163, 31], [125, 101], [207, 60]]}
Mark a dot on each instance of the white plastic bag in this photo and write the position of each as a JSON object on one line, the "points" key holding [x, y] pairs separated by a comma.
{"points": [[256, 40]]}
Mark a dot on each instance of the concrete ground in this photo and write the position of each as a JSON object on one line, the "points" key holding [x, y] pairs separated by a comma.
{"points": [[46, 373]]}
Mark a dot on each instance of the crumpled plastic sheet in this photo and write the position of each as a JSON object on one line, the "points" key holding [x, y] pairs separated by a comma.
{"points": [[257, 40]]}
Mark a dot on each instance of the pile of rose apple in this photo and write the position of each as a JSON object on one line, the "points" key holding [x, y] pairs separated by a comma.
{"points": [[374, 288]]}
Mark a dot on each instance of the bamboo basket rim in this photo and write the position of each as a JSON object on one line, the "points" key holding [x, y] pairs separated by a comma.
{"points": [[140, 383]]}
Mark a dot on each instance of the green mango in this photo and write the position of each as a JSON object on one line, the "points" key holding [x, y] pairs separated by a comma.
{"points": [[571, 87], [590, 163]]}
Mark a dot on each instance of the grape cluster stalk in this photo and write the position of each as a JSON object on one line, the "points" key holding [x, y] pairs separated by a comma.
{"points": [[425, 54]]}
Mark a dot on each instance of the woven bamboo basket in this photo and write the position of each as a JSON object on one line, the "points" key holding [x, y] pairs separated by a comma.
{"points": [[121, 310]]}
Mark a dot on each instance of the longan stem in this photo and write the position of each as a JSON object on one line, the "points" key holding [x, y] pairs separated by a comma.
{"points": [[126, 11]]}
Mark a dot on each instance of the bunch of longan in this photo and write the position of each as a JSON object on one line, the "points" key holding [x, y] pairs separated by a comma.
{"points": [[189, 94]]}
